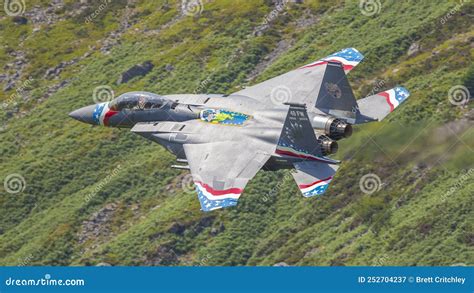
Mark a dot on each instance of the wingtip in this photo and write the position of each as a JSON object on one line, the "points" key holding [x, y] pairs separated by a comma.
{"points": [[211, 199], [355, 52], [400, 90], [349, 57]]}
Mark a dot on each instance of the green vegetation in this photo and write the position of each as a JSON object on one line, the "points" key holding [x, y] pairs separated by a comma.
{"points": [[97, 195]]}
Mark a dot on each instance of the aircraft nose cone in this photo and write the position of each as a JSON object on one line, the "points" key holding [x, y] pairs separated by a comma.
{"points": [[84, 114]]}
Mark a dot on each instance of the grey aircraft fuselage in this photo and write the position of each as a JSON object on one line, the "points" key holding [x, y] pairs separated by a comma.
{"points": [[148, 109]]}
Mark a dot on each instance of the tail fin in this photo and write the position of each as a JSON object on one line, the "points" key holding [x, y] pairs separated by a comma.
{"points": [[335, 95], [298, 139], [313, 178], [378, 106]]}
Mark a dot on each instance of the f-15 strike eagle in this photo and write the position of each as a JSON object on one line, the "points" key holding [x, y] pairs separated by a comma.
{"points": [[290, 121]]}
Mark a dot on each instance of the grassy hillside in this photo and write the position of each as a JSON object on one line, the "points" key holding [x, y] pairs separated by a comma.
{"points": [[94, 195]]}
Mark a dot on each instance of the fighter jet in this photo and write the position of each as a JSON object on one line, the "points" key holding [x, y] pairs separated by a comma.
{"points": [[292, 121]]}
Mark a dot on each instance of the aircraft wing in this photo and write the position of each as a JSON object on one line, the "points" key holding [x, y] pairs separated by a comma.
{"points": [[311, 84], [221, 170], [222, 158]]}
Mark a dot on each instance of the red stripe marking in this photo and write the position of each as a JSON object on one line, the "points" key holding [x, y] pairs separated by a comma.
{"points": [[345, 66], [282, 152], [288, 153], [315, 64], [315, 182], [387, 97], [216, 192], [348, 67], [107, 116]]}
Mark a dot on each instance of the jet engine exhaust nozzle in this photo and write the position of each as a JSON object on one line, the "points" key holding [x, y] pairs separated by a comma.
{"points": [[333, 127], [340, 129], [327, 145]]}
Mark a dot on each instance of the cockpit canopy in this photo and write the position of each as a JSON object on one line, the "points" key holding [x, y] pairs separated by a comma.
{"points": [[137, 101]]}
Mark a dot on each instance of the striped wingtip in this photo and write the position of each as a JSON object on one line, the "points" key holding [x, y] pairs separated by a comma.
{"points": [[212, 199], [395, 96]]}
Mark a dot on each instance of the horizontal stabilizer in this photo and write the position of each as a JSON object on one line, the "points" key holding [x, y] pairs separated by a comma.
{"points": [[313, 178], [378, 106]]}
